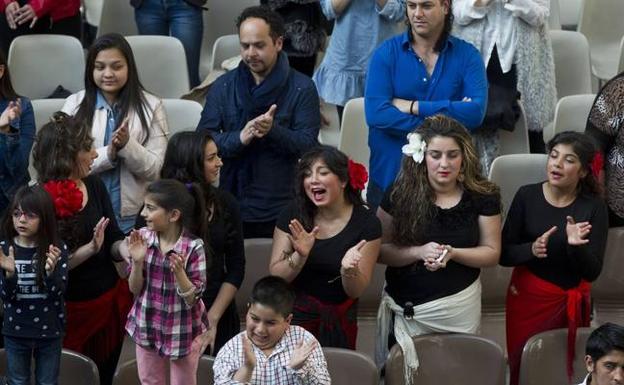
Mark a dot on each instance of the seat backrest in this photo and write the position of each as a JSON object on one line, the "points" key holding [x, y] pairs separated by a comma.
{"points": [[353, 139], [348, 367], [219, 21], [117, 16], [544, 358], [127, 374], [570, 114], [601, 23], [554, 22], [257, 258], [43, 110], [517, 141], [77, 369], [609, 287], [224, 47], [572, 63], [40, 63], [205, 374], [621, 61], [570, 13], [368, 302], [510, 172], [163, 75], [450, 359], [182, 115]]}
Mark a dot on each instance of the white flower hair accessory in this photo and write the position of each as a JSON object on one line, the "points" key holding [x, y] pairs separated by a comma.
{"points": [[415, 147]]}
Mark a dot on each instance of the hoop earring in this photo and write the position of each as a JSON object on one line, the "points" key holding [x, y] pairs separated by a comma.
{"points": [[460, 177]]}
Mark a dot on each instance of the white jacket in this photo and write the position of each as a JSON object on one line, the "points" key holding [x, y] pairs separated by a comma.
{"points": [[519, 28], [140, 163]]}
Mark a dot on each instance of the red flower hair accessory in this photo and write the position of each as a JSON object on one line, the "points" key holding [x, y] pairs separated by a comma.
{"points": [[596, 164], [357, 175], [66, 196]]}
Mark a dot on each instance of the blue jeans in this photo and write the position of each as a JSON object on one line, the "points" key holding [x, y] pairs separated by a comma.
{"points": [[47, 356], [178, 19]]}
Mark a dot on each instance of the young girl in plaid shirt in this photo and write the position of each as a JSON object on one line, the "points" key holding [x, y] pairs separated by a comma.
{"points": [[167, 277]]}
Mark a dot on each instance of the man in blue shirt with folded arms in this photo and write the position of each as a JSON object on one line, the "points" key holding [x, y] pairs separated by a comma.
{"points": [[422, 72]]}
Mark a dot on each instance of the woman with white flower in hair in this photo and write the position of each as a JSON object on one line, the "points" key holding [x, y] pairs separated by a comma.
{"points": [[441, 223]]}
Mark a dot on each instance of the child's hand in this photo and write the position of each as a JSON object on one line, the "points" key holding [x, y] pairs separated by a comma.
{"points": [[7, 263], [176, 263], [301, 353], [136, 247], [249, 357], [98, 235], [52, 257], [301, 240]]}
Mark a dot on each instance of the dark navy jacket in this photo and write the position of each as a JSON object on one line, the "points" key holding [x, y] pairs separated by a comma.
{"points": [[14, 152], [261, 175]]}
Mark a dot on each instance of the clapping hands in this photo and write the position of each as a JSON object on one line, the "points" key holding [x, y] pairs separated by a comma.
{"points": [[577, 232], [16, 15], [52, 257], [301, 240], [301, 353], [351, 260], [10, 113]]}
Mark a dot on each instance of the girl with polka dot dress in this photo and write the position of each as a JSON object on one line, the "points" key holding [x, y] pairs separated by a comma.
{"points": [[33, 275]]}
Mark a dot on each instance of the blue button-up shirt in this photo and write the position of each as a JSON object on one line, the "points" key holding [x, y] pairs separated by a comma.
{"points": [[396, 71]]}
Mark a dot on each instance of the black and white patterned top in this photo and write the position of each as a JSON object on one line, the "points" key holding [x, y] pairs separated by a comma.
{"points": [[605, 124], [31, 311]]}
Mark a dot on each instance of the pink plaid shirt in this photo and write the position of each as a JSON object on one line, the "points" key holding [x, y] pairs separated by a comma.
{"points": [[160, 319], [273, 370]]}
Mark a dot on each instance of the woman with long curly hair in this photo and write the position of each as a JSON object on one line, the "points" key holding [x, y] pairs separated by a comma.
{"points": [[555, 236], [441, 223], [97, 300]]}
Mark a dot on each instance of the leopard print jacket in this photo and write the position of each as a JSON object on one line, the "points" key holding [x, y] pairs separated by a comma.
{"points": [[606, 124]]}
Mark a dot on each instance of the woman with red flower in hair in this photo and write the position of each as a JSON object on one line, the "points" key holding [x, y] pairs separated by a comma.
{"points": [[97, 300], [326, 243], [555, 236]]}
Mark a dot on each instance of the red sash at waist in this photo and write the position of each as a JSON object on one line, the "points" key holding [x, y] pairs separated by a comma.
{"points": [[96, 327], [332, 324], [547, 300]]}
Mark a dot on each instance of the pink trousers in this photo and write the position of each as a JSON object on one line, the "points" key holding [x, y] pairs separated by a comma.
{"points": [[153, 368]]}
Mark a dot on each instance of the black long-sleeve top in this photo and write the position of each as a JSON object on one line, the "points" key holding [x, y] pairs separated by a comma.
{"points": [[96, 275], [530, 216]]}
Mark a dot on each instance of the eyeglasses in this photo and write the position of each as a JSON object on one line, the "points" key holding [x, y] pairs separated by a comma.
{"points": [[17, 214]]}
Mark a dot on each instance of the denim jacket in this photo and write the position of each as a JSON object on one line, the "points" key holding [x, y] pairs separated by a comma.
{"points": [[15, 149]]}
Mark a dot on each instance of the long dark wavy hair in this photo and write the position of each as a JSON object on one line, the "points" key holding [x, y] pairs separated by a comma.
{"points": [[55, 151], [585, 148], [34, 199], [184, 161], [131, 97], [6, 87], [446, 31], [413, 198], [338, 163]]}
